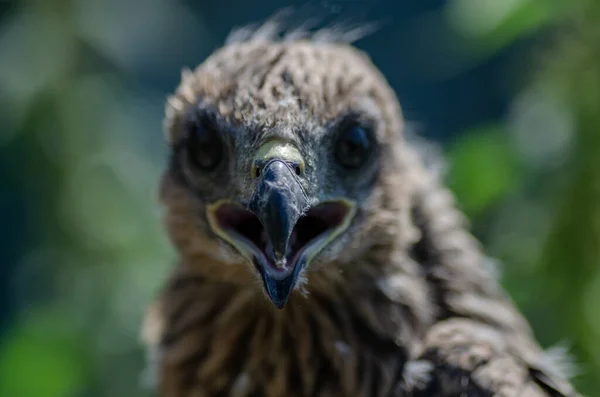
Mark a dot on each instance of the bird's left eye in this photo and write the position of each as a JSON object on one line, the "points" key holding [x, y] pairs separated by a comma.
{"points": [[205, 147], [354, 146]]}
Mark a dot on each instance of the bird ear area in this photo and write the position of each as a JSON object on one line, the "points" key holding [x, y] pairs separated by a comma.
{"points": [[423, 251], [442, 237]]}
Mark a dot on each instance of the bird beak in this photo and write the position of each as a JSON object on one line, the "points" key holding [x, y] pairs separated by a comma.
{"points": [[278, 202], [277, 230]]}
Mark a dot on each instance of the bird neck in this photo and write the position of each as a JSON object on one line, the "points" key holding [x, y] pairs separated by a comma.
{"points": [[225, 335]]}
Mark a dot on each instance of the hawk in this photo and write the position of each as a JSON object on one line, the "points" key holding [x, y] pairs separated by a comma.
{"points": [[317, 253]]}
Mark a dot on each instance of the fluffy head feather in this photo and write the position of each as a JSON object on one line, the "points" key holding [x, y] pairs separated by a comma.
{"points": [[297, 91]]}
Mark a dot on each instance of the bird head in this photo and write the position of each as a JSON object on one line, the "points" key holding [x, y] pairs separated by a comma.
{"points": [[285, 157]]}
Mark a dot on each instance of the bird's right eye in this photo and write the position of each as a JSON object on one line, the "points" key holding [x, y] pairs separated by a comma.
{"points": [[204, 146]]}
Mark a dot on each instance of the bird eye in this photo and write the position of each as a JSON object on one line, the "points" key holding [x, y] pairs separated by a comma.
{"points": [[205, 147], [354, 146]]}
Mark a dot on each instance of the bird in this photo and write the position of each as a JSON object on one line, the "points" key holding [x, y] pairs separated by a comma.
{"points": [[318, 254]]}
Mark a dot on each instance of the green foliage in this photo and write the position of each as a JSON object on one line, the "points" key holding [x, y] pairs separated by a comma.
{"points": [[490, 25], [555, 281], [39, 359], [483, 169], [68, 106]]}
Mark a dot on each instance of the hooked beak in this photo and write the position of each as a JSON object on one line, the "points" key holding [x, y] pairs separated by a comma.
{"points": [[278, 202], [278, 231]]}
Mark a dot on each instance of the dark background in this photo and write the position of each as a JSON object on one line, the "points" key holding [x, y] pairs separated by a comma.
{"points": [[508, 91]]}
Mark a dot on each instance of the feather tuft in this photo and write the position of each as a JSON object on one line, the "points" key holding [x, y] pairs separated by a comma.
{"points": [[289, 24]]}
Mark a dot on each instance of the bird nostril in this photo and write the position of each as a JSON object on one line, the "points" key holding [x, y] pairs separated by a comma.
{"points": [[256, 169], [298, 170]]}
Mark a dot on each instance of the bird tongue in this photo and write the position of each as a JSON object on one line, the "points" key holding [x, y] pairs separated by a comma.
{"points": [[280, 261]]}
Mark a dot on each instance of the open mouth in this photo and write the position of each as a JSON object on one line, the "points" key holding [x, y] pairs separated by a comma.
{"points": [[311, 233]]}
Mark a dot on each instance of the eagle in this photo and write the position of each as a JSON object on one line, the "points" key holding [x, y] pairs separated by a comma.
{"points": [[318, 253]]}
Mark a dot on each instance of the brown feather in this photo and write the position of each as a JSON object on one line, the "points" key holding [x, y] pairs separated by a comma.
{"points": [[401, 305]]}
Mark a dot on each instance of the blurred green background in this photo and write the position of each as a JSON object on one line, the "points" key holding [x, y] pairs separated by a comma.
{"points": [[509, 89]]}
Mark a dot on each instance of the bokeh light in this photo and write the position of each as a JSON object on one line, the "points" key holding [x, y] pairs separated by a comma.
{"points": [[509, 90]]}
